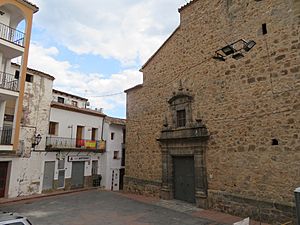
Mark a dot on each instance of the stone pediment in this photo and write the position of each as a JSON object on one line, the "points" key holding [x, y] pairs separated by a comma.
{"points": [[196, 132]]}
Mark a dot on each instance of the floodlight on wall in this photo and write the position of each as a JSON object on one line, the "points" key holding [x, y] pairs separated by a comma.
{"points": [[235, 49], [238, 56], [228, 50], [219, 57], [36, 140], [249, 45]]}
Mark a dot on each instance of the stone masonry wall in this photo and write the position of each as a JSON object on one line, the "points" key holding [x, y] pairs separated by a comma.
{"points": [[35, 120], [36, 112], [245, 104]]}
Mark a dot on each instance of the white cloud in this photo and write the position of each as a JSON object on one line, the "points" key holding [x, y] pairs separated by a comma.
{"points": [[125, 30], [70, 80], [129, 31]]}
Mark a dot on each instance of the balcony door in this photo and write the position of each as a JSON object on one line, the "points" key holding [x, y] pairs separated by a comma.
{"points": [[79, 136]]}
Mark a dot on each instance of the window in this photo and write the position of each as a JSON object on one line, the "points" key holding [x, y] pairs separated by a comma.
{"points": [[181, 118], [53, 128], [74, 103], [8, 118], [264, 29], [112, 136], [17, 74], [29, 78], [94, 167], [61, 164], [94, 134], [116, 154], [60, 100]]}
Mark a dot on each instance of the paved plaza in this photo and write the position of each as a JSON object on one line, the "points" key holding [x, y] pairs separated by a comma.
{"points": [[96, 207]]}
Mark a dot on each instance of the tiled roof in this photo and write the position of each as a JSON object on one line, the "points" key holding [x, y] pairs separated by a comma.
{"points": [[186, 5], [34, 71], [76, 109], [35, 7], [117, 121], [68, 94]]}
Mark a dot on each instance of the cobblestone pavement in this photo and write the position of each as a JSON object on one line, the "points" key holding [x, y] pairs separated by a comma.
{"points": [[97, 207]]}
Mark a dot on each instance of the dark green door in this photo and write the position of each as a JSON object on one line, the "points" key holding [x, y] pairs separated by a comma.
{"points": [[184, 179], [3, 177], [77, 176]]}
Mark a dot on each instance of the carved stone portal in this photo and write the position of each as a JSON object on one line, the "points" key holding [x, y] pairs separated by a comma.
{"points": [[183, 139]]}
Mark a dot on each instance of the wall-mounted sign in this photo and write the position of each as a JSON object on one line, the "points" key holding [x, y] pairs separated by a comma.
{"points": [[79, 158]]}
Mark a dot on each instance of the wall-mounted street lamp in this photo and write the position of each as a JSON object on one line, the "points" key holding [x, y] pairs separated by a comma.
{"points": [[236, 50], [36, 140]]}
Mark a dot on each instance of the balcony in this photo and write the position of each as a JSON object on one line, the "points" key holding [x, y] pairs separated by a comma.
{"points": [[9, 82], [11, 35], [6, 138], [72, 144]]}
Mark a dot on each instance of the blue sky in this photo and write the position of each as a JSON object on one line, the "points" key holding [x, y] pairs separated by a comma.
{"points": [[97, 47]]}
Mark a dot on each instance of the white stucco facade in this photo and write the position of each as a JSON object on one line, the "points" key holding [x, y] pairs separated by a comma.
{"points": [[114, 153], [69, 120], [75, 138]]}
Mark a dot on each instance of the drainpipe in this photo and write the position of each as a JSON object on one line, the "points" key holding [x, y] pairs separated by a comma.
{"points": [[102, 128], [297, 200]]}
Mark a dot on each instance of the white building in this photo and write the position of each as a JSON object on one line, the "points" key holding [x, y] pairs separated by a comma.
{"points": [[75, 144], [14, 43], [114, 165], [26, 172], [31, 160]]}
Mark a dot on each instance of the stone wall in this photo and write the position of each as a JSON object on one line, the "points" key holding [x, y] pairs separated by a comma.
{"points": [[246, 104], [36, 112], [142, 186]]}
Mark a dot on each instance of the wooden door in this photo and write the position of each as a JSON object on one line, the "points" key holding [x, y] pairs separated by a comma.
{"points": [[3, 178], [79, 141]]}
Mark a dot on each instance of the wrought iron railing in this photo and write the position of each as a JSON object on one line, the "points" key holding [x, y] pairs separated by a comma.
{"points": [[72, 143], [9, 82], [12, 35], [6, 135]]}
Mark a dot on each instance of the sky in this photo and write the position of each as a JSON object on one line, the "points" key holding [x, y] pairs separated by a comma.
{"points": [[95, 48]]}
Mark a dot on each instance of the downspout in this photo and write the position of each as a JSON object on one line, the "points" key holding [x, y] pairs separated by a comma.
{"points": [[102, 128]]}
